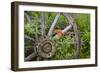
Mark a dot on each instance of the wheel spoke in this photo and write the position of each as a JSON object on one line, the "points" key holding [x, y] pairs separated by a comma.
{"points": [[32, 55], [70, 18], [29, 47], [42, 26], [67, 28], [53, 24], [28, 37], [28, 18]]}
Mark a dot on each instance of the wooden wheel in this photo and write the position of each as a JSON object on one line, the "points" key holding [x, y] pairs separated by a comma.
{"points": [[39, 51]]}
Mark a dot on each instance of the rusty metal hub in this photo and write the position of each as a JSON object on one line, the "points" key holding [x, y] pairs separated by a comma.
{"points": [[46, 48]]}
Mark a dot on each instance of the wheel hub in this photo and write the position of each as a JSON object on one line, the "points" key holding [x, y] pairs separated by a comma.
{"points": [[46, 48]]}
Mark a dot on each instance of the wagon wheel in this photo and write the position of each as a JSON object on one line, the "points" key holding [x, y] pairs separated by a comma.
{"points": [[43, 53]]}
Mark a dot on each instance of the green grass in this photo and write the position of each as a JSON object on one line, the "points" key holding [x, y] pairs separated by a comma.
{"points": [[83, 22], [65, 49]]}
